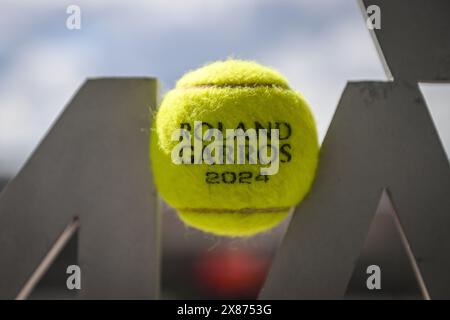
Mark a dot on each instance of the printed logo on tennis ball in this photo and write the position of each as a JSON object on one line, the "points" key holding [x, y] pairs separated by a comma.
{"points": [[202, 143], [233, 148]]}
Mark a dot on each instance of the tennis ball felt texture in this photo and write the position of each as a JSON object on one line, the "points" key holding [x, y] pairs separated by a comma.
{"points": [[235, 199]]}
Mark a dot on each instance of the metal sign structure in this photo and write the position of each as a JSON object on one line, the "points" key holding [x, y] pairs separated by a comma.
{"points": [[381, 139], [90, 174]]}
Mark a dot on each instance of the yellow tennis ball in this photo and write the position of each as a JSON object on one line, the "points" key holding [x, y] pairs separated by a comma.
{"points": [[203, 148]]}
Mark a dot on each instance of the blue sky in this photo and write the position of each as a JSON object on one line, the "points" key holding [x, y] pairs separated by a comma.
{"points": [[317, 44]]}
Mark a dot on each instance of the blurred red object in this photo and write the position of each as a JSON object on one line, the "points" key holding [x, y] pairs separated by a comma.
{"points": [[229, 273]]}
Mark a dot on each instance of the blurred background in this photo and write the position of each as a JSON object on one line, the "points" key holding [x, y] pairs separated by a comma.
{"points": [[318, 45]]}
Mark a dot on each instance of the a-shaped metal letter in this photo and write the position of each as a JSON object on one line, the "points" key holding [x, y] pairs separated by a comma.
{"points": [[91, 173], [382, 137]]}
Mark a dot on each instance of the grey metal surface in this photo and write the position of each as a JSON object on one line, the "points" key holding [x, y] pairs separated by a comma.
{"points": [[93, 164], [414, 38], [381, 137]]}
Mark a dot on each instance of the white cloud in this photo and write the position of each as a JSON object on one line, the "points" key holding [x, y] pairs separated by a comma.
{"points": [[26, 14], [319, 65], [32, 93], [46, 66], [437, 97], [16, 125]]}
